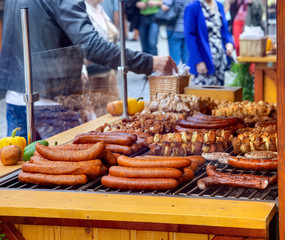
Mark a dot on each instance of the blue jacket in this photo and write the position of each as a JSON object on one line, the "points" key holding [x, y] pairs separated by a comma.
{"points": [[196, 35]]}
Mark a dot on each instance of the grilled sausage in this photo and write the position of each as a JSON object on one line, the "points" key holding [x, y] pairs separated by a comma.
{"points": [[153, 162], [193, 166], [72, 146], [212, 172], [55, 169], [138, 133], [108, 137], [87, 167], [187, 175], [45, 179], [199, 160], [126, 150], [204, 117], [207, 125], [255, 164], [138, 183], [131, 172], [109, 158], [257, 183], [71, 155]]}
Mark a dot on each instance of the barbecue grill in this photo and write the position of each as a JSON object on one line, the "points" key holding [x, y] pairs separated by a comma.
{"points": [[186, 190]]}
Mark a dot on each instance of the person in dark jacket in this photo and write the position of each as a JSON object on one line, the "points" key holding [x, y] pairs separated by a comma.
{"points": [[61, 35], [208, 41]]}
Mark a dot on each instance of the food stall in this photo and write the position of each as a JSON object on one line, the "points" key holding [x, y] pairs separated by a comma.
{"points": [[93, 211], [40, 213]]}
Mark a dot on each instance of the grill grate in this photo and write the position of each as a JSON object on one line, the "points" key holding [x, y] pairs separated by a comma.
{"points": [[187, 190]]}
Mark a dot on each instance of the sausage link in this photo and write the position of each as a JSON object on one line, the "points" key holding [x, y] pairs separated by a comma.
{"points": [[131, 172], [255, 164], [138, 183], [116, 138], [138, 133], [71, 155], [199, 160], [193, 166], [187, 175], [45, 179], [132, 135], [126, 150], [72, 146], [257, 183], [212, 172], [109, 158], [60, 169], [153, 162], [207, 125], [90, 167]]}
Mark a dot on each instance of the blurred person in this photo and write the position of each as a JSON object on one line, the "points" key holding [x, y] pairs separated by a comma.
{"points": [[175, 34], [111, 8], [208, 41], [239, 21], [148, 30], [133, 16], [61, 27], [100, 20], [254, 13]]}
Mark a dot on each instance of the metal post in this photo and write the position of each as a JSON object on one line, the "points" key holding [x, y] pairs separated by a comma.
{"points": [[29, 96], [266, 18], [123, 69]]}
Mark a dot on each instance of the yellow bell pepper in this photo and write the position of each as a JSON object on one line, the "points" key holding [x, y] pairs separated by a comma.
{"points": [[14, 140], [268, 45], [135, 106]]}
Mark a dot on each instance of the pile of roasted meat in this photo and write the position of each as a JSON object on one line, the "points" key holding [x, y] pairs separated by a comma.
{"points": [[180, 132]]}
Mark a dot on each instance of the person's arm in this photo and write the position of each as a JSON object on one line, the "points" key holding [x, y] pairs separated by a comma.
{"points": [[71, 16], [153, 3], [226, 35]]}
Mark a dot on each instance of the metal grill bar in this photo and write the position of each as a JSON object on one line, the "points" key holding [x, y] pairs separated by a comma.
{"points": [[189, 189]]}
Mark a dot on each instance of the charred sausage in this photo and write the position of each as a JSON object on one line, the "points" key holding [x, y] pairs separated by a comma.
{"points": [[257, 183], [212, 172]]}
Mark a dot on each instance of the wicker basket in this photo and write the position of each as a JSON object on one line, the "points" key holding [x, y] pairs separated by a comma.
{"points": [[252, 47], [167, 84]]}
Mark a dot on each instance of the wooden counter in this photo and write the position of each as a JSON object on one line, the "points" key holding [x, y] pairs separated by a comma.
{"points": [[86, 215], [264, 77]]}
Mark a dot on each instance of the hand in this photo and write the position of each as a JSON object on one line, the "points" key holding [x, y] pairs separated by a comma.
{"points": [[141, 5], [164, 8], [164, 64], [201, 68], [229, 49]]}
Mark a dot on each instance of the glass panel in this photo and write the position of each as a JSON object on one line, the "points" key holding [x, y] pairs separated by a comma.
{"points": [[72, 89]]}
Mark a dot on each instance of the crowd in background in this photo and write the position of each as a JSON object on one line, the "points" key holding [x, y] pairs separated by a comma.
{"points": [[204, 37]]}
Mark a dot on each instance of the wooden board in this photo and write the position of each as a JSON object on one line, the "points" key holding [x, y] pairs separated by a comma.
{"points": [[265, 59], [115, 207]]}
